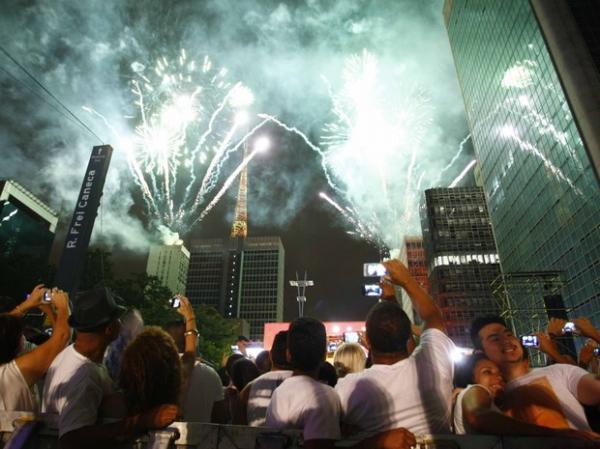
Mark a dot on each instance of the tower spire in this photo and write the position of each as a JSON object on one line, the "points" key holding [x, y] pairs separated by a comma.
{"points": [[240, 222]]}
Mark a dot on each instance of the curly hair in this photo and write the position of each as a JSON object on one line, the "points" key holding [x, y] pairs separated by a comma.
{"points": [[150, 371]]}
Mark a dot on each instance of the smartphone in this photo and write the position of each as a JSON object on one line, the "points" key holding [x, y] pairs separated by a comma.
{"points": [[371, 290], [569, 328], [175, 302], [374, 270], [235, 349], [530, 341], [47, 298], [332, 347], [597, 352], [351, 337]]}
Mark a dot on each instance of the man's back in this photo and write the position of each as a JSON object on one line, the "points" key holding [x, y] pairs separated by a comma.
{"points": [[302, 402], [414, 393], [261, 390], [74, 389], [204, 388]]}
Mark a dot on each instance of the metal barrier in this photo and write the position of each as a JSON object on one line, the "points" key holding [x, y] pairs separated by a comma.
{"points": [[15, 426]]}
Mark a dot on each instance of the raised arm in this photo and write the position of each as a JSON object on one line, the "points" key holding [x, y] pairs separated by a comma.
{"points": [[429, 312], [34, 364], [191, 336], [548, 347]]}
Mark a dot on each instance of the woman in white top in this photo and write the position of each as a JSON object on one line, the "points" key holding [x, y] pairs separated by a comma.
{"points": [[482, 382], [19, 372]]}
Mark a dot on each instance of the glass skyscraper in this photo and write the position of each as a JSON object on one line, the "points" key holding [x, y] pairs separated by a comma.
{"points": [[528, 131]]}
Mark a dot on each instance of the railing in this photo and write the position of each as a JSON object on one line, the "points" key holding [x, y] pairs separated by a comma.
{"points": [[190, 435]]}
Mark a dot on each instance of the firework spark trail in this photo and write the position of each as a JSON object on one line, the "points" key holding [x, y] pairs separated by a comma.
{"points": [[461, 147], [207, 186], [311, 145], [463, 173], [227, 184]]}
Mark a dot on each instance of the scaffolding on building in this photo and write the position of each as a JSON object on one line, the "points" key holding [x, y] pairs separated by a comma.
{"points": [[524, 301]]}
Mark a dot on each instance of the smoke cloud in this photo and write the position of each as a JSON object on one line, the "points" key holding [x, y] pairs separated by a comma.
{"points": [[83, 52]]}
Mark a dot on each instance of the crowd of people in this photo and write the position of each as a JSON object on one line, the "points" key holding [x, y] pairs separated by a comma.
{"points": [[102, 377]]}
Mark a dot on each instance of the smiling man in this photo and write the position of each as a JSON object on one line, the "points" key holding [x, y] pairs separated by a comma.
{"points": [[549, 397]]}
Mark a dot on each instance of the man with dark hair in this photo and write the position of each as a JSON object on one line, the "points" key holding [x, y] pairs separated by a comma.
{"points": [[401, 390], [256, 396], [302, 402], [203, 399], [77, 382], [539, 398]]}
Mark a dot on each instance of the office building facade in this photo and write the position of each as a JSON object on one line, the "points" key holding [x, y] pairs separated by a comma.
{"points": [[530, 77], [27, 225], [462, 260], [412, 254], [240, 277], [170, 263]]}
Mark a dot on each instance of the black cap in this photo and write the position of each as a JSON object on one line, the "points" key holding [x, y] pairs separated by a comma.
{"points": [[242, 338], [93, 308]]}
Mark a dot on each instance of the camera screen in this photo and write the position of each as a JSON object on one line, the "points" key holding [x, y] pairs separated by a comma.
{"points": [[332, 347], [569, 327], [374, 270], [175, 302], [371, 290], [597, 352], [47, 296], [529, 340]]}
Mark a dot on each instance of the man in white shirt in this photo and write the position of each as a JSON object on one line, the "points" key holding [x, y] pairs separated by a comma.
{"points": [[301, 401], [401, 390], [203, 397], [256, 396], [77, 382], [549, 397]]}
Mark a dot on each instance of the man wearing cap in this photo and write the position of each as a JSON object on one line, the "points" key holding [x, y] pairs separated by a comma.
{"points": [[77, 382]]}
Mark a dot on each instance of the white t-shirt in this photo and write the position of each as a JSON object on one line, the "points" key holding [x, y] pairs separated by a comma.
{"points": [[461, 426], [15, 394], [559, 382], [203, 390], [302, 402], [414, 393], [74, 389], [259, 396]]}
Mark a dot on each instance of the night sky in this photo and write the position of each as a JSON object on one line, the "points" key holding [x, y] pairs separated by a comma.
{"points": [[84, 52]]}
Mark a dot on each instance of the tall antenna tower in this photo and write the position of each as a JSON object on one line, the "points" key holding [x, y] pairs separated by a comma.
{"points": [[240, 222], [301, 286]]}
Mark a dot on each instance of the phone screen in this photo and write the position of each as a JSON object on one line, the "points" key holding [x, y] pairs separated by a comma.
{"points": [[175, 302], [371, 290], [374, 270], [530, 341], [569, 328], [47, 296]]}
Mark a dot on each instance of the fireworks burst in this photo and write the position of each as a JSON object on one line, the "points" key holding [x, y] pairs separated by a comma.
{"points": [[188, 120], [369, 150]]}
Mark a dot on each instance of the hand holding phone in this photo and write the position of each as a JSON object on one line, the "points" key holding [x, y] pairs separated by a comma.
{"points": [[570, 328], [175, 302], [47, 297], [374, 270]]}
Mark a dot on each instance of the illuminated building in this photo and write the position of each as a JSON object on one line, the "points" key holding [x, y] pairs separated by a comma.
{"points": [[241, 278], [412, 254], [170, 264], [529, 71], [27, 225], [462, 261]]}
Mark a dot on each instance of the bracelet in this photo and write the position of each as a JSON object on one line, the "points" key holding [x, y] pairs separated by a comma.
{"points": [[191, 332]]}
